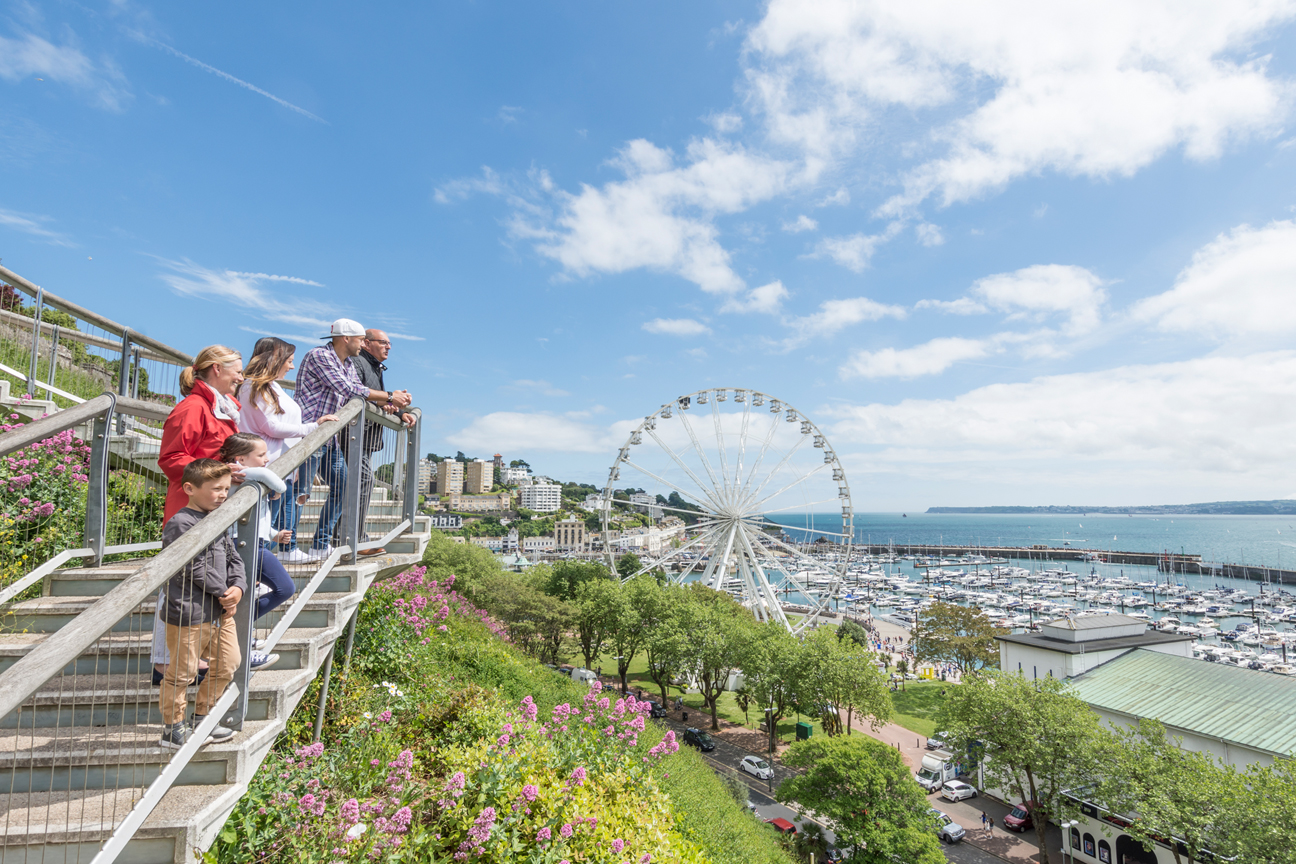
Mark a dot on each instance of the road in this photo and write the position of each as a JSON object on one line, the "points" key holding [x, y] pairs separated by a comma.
{"points": [[726, 757]]}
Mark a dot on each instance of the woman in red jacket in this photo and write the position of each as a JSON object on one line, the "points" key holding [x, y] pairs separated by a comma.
{"points": [[202, 421]]}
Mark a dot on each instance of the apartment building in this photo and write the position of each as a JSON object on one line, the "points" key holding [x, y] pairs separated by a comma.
{"points": [[450, 477], [541, 497], [427, 476], [569, 535], [479, 503], [480, 477]]}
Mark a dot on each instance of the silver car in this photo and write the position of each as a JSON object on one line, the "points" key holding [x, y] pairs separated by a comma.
{"points": [[949, 831], [757, 767]]}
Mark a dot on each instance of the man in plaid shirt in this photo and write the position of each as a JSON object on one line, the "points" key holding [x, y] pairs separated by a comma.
{"points": [[325, 382]]}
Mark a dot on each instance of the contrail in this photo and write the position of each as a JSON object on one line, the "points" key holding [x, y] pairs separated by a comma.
{"points": [[228, 77]]}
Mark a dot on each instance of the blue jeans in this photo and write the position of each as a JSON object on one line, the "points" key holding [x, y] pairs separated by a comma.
{"points": [[332, 468], [285, 511], [272, 573]]}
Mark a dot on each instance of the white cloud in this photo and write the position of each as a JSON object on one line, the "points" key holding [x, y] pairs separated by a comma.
{"points": [[1097, 88], [961, 306], [840, 198], [1243, 283], [802, 223], [929, 234], [661, 217], [855, 251], [29, 224], [1034, 292], [676, 327], [508, 114], [507, 431], [31, 56], [1158, 418], [767, 299], [835, 315], [724, 123], [930, 358]]}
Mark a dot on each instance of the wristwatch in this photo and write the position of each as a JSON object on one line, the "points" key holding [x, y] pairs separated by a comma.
{"points": [[389, 397]]}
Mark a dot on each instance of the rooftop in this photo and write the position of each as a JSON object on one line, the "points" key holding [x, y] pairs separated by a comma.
{"points": [[1228, 703], [1093, 622], [1140, 640]]}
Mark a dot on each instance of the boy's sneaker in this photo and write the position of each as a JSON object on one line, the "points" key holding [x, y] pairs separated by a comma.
{"points": [[320, 554], [261, 661], [295, 556], [258, 644], [217, 735], [176, 735]]}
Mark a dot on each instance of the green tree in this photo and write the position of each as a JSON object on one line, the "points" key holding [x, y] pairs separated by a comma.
{"points": [[594, 602], [902, 666], [835, 674], [466, 562], [537, 622], [1037, 738], [1175, 792], [569, 576], [1263, 829], [719, 633], [961, 635], [864, 787], [850, 630], [743, 699], [625, 634], [664, 613], [771, 665], [628, 565]]}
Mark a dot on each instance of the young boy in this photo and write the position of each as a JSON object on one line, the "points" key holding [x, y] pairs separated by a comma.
{"points": [[198, 608]]}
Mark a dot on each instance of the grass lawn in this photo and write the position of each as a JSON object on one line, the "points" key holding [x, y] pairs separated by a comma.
{"points": [[917, 705], [726, 707]]}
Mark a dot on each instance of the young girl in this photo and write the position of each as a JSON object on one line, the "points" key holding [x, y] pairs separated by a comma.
{"points": [[250, 451]]}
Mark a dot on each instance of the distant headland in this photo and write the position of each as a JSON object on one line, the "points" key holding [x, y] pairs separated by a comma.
{"points": [[1281, 507]]}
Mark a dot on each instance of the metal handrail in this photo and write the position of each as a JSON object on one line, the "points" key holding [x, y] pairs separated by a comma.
{"points": [[52, 424], [94, 318], [30, 673], [83, 338]]}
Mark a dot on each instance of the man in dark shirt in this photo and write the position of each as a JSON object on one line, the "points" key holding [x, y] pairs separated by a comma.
{"points": [[369, 365]]}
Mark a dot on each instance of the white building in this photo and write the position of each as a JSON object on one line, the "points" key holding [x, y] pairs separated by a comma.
{"points": [[541, 497], [494, 544], [514, 476], [645, 503], [593, 502], [651, 541], [538, 545], [427, 476], [447, 522], [1069, 647]]}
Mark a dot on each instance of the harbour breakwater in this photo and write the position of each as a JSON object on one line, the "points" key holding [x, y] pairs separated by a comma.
{"points": [[1165, 562]]}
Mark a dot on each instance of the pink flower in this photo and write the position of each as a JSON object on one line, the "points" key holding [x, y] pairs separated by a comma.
{"points": [[351, 812], [617, 845], [565, 830], [529, 792], [385, 717], [543, 833], [578, 776]]}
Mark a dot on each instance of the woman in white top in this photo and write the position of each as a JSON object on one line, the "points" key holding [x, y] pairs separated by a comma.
{"points": [[270, 412]]}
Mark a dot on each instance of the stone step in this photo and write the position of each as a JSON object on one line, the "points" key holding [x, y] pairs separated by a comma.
{"points": [[68, 827], [128, 653], [132, 700], [60, 759], [97, 581]]}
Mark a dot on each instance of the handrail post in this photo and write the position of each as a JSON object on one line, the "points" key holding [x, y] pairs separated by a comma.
{"points": [[53, 364], [35, 347], [122, 375], [135, 378], [351, 528], [248, 534], [96, 523], [412, 471]]}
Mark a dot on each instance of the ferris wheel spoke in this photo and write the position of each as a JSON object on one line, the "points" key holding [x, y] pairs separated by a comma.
{"points": [[720, 445], [706, 463], [765, 590], [771, 523], [800, 478], [797, 506], [777, 468], [742, 442], [720, 573], [665, 482], [680, 462], [681, 549], [751, 475]]}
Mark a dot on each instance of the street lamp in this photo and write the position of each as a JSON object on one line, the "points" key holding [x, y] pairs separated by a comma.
{"points": [[1067, 848]]}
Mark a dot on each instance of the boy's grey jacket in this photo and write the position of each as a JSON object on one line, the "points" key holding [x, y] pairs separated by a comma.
{"points": [[189, 599]]}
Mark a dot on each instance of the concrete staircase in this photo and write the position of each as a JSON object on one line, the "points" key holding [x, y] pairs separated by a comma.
{"points": [[72, 765]]}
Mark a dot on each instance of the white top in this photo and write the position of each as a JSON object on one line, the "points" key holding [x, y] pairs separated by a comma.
{"points": [[280, 431], [271, 480]]}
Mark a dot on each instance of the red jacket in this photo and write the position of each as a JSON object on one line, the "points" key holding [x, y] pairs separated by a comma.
{"points": [[191, 432]]}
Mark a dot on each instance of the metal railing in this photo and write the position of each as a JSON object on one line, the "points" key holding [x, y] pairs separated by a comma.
{"points": [[71, 353], [75, 696]]}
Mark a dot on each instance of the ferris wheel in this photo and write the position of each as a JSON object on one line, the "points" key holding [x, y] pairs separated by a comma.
{"points": [[760, 503]]}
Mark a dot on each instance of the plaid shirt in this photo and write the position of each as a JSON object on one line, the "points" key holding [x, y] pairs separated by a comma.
{"points": [[326, 382]]}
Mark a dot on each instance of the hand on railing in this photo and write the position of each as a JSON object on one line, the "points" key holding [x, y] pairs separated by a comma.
{"points": [[328, 418]]}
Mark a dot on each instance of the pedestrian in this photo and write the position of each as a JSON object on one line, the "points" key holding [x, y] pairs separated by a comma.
{"points": [[325, 383], [369, 365], [983, 820], [990, 825]]}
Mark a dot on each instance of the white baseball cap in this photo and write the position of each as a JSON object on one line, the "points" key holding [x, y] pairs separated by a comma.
{"points": [[345, 327]]}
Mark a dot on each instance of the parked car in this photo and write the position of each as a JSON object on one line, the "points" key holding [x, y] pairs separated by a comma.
{"points": [[699, 739], [757, 767], [957, 790], [909, 676], [938, 741], [1020, 818], [782, 826], [838, 855], [655, 709], [949, 830]]}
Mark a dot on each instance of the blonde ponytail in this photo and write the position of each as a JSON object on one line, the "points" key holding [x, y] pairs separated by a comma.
{"points": [[212, 355]]}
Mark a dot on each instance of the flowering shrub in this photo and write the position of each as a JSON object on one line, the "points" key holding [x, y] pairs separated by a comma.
{"points": [[574, 787]]}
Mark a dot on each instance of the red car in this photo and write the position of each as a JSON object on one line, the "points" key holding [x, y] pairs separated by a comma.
{"points": [[783, 826], [1020, 818]]}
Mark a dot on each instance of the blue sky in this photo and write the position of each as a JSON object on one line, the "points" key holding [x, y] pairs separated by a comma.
{"points": [[1027, 253]]}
